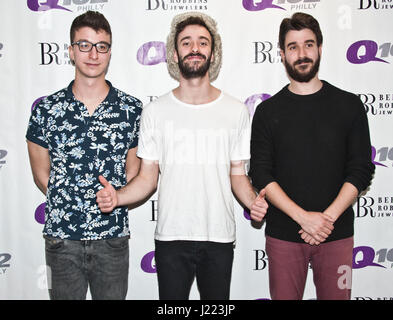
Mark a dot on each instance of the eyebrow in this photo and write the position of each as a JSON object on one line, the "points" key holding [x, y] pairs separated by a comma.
{"points": [[294, 42], [85, 40], [189, 37]]}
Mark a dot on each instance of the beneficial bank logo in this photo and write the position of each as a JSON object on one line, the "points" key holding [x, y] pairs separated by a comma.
{"points": [[259, 5], [76, 5]]}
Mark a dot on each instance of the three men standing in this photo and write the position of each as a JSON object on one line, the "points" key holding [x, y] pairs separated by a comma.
{"points": [[310, 153]]}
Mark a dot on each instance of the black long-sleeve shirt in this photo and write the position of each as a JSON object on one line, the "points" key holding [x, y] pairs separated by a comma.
{"points": [[310, 145]]}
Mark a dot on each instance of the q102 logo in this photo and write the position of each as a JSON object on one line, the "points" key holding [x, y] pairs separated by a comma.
{"points": [[365, 51], [381, 155], [4, 262], [3, 154], [147, 263], [37, 5], [259, 5], [151, 53], [367, 256]]}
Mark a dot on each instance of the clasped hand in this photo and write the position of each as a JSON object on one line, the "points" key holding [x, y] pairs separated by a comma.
{"points": [[316, 227]]}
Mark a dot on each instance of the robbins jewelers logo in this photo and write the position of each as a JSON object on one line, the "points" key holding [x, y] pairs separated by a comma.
{"points": [[374, 207], [3, 154], [258, 5], [364, 51], [266, 52], [260, 259], [177, 5], [375, 4], [54, 53], [4, 262], [364, 256], [377, 104], [76, 5]]}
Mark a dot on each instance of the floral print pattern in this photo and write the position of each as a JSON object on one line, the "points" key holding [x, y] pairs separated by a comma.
{"points": [[82, 147]]}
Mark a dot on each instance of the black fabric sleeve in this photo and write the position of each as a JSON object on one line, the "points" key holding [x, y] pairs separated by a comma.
{"points": [[262, 153], [359, 168]]}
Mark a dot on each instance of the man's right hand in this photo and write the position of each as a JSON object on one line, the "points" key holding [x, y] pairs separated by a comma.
{"points": [[107, 197], [316, 224]]}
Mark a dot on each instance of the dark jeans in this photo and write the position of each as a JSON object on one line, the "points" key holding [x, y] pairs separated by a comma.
{"points": [[100, 264], [179, 262]]}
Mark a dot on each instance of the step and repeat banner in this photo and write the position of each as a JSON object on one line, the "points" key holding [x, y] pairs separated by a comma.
{"points": [[357, 56]]}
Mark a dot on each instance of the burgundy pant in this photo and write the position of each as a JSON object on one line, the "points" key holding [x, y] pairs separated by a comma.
{"points": [[331, 263]]}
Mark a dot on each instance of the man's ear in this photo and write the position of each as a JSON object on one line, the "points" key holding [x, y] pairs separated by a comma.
{"points": [[282, 55], [71, 54]]}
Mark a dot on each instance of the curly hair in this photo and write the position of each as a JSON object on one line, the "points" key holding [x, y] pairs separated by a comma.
{"points": [[179, 22]]}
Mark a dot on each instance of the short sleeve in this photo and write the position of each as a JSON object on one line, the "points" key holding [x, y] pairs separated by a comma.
{"points": [[147, 144], [137, 118], [241, 143], [36, 128]]}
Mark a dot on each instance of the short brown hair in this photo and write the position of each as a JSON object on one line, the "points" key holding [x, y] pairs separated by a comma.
{"points": [[91, 19], [299, 21]]}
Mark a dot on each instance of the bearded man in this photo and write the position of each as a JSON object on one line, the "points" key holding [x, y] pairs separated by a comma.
{"points": [[311, 152], [197, 137]]}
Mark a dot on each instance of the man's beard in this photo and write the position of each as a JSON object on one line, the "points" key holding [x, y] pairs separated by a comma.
{"points": [[303, 77], [189, 71]]}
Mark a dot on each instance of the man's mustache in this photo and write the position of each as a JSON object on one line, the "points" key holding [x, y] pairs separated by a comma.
{"points": [[304, 60], [194, 55]]}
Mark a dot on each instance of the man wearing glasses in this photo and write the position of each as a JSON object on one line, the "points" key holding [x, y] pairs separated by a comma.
{"points": [[88, 129]]}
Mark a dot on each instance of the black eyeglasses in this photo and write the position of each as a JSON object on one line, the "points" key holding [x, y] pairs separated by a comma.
{"points": [[86, 46]]}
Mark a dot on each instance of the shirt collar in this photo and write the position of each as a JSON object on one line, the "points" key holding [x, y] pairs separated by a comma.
{"points": [[111, 97]]}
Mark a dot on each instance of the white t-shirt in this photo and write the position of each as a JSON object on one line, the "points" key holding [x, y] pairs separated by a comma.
{"points": [[194, 145]]}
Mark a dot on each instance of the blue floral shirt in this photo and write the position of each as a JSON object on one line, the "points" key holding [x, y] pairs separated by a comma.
{"points": [[82, 147]]}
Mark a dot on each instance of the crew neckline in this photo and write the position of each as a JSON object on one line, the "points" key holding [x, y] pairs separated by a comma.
{"points": [[196, 106], [314, 95]]}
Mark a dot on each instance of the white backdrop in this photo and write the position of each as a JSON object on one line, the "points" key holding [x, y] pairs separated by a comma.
{"points": [[357, 56]]}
